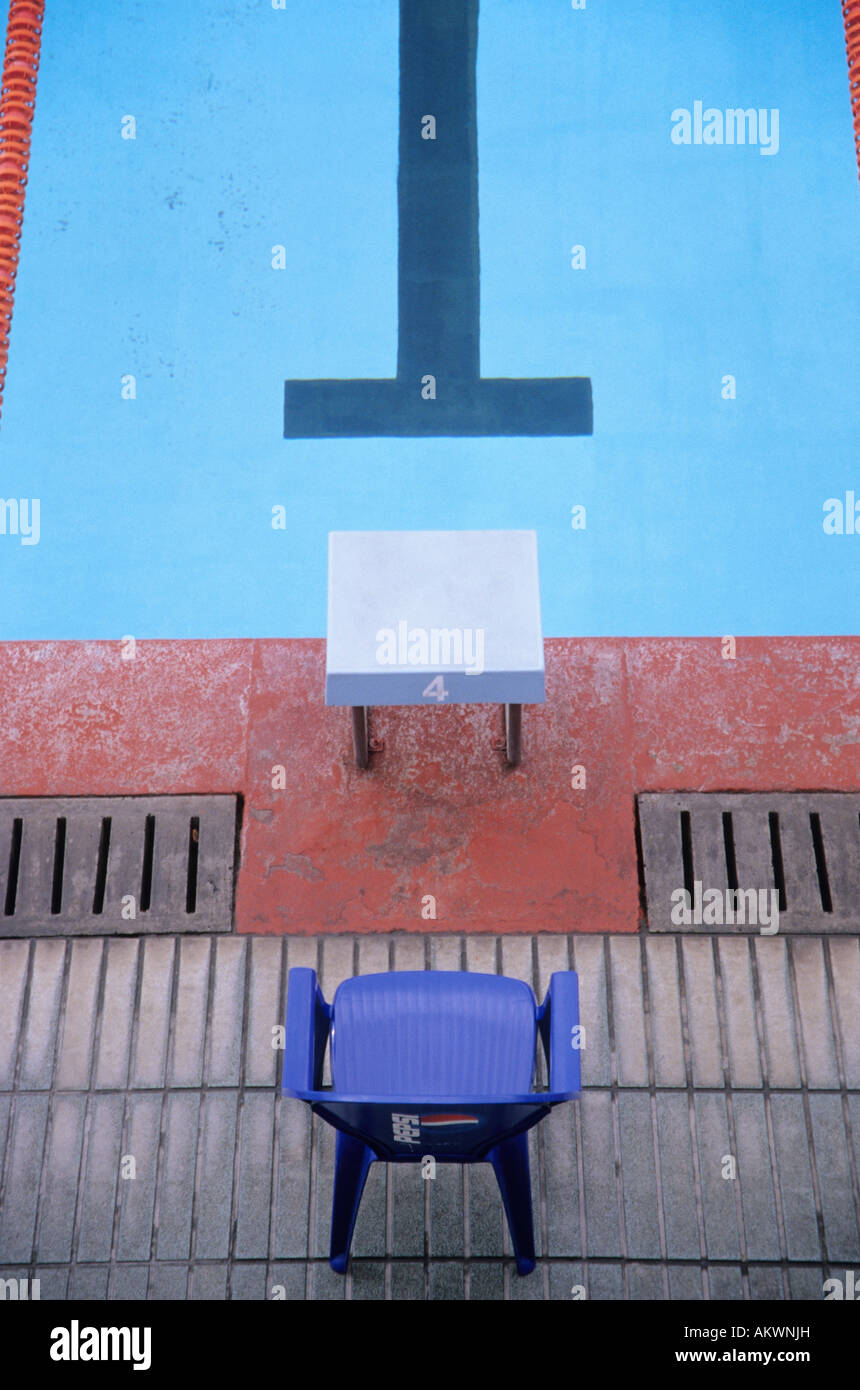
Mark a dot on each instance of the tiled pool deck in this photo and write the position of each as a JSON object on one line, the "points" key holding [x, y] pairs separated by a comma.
{"points": [[156, 1055]]}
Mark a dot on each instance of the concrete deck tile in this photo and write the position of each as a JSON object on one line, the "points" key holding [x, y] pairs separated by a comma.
{"points": [[486, 1282], [806, 1282], [368, 1280], [755, 1177], [222, 1060], [446, 952], [248, 1283], [88, 1283], [765, 1281], [726, 1282], [589, 961], [564, 1277], [517, 958], [129, 1282], [480, 955], [718, 1197], [118, 1016], [168, 1282], [407, 1280], [262, 1060], [685, 1282], [407, 1207], [703, 1027], [176, 1179], [373, 955], [486, 1213], [677, 1176], [841, 1218], [192, 997], [253, 1211], [552, 956], [631, 1054], [605, 1282], [323, 1179], [338, 955], [369, 1235], [53, 1282], [854, 1125], [153, 1015], [739, 1004], [446, 1235], [645, 1282], [815, 1027], [217, 1146], [639, 1177], [667, 1042], [601, 1190], [561, 1181], [527, 1288], [778, 1031], [101, 1177], [795, 1177], [287, 1275], [209, 1281], [14, 958], [302, 951], [5, 1113], [537, 1161], [292, 1180], [325, 1284], [74, 1062], [40, 1025], [20, 1177], [61, 1168], [845, 968], [446, 1282]]}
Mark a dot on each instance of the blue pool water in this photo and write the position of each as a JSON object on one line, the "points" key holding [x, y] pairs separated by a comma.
{"points": [[257, 128]]}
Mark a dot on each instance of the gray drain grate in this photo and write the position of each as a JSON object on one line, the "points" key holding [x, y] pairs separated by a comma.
{"points": [[802, 846], [116, 865]]}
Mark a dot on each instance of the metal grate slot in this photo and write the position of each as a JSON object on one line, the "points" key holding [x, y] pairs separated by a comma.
{"points": [[11, 894], [729, 846], [191, 886], [801, 849], [101, 867], [59, 861], [820, 862], [117, 865], [776, 858], [148, 852]]}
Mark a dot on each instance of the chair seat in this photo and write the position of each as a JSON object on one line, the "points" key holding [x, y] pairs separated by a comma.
{"points": [[433, 1033]]}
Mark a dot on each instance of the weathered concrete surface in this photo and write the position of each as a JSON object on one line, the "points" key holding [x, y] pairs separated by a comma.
{"points": [[438, 814]]}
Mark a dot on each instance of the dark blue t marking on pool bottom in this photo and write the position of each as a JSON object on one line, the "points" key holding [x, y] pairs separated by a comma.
{"points": [[438, 389]]}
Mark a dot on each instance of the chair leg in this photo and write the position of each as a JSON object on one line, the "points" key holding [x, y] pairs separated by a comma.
{"points": [[352, 1159], [510, 1161]]}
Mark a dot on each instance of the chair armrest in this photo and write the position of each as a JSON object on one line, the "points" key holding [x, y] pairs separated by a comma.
{"points": [[558, 1021], [306, 1033]]}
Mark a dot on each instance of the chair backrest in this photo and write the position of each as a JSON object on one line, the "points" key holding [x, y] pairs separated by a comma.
{"points": [[433, 1033]]}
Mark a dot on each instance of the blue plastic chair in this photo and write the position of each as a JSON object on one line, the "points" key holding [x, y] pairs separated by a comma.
{"points": [[431, 1063]]}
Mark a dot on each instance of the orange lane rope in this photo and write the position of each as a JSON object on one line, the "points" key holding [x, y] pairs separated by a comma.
{"points": [[17, 104], [851, 15]]}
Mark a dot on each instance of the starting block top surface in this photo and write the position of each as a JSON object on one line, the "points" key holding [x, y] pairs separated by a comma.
{"points": [[423, 617]]}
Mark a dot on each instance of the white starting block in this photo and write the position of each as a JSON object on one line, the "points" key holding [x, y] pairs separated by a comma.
{"points": [[433, 617]]}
